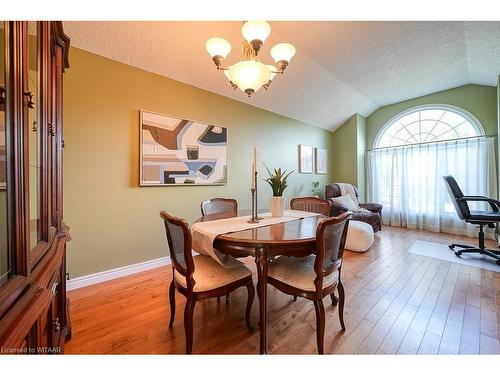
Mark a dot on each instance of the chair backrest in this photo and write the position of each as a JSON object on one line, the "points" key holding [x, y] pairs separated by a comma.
{"points": [[333, 191], [331, 235], [455, 192], [179, 245], [311, 204], [219, 205]]}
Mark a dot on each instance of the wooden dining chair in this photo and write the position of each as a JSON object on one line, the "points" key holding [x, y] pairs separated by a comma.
{"points": [[319, 206], [219, 205], [316, 276], [200, 277], [311, 204], [216, 206]]}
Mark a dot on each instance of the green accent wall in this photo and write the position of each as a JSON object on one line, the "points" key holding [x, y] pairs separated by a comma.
{"points": [[348, 153], [476, 99], [351, 141], [113, 221], [361, 156]]}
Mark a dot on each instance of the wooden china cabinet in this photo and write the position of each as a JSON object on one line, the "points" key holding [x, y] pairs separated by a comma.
{"points": [[33, 306]]}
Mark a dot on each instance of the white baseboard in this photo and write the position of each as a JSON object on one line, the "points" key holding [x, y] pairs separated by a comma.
{"points": [[99, 277]]}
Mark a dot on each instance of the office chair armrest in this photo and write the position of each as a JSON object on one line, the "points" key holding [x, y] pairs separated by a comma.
{"points": [[494, 204]]}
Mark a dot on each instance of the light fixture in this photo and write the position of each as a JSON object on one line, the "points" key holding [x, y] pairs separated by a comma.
{"points": [[256, 33], [249, 74]]}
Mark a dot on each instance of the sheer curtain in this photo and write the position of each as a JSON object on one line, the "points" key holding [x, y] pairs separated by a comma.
{"points": [[408, 181]]}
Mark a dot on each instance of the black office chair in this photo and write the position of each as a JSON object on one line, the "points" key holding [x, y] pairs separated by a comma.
{"points": [[480, 218]]}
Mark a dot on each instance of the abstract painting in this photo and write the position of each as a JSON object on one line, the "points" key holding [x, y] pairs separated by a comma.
{"points": [[178, 151], [321, 162], [305, 159]]}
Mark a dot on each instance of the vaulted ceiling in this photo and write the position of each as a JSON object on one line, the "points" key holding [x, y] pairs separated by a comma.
{"points": [[340, 68]]}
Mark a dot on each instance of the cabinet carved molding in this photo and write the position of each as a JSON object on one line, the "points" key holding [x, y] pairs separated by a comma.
{"points": [[34, 317]]}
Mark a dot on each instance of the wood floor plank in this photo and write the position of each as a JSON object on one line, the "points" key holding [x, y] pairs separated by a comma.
{"points": [[382, 327], [470, 335], [413, 337], [450, 341]]}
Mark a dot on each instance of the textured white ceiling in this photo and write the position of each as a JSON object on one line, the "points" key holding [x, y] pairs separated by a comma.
{"points": [[340, 68]]}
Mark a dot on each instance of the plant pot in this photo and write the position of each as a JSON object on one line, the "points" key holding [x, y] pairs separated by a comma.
{"points": [[277, 206]]}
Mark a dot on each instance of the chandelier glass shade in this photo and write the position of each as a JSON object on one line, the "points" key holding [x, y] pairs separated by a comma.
{"points": [[218, 47], [256, 30], [249, 74]]}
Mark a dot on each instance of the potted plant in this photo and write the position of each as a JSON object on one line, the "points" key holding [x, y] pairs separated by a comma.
{"points": [[315, 188], [278, 182]]}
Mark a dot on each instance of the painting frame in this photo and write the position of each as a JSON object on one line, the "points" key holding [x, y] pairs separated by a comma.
{"points": [[321, 160], [143, 183], [305, 159]]}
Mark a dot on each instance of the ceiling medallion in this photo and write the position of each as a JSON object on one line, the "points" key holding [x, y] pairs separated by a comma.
{"points": [[249, 74]]}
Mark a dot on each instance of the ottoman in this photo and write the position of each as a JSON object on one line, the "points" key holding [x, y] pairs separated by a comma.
{"points": [[359, 236]]}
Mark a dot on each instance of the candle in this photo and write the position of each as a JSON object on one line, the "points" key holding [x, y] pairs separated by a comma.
{"points": [[254, 166], [255, 157]]}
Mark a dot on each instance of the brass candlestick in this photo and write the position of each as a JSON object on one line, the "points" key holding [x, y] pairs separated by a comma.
{"points": [[253, 219], [256, 200]]}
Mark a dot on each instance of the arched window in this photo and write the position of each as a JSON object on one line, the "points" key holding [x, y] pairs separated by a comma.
{"points": [[413, 152], [428, 124]]}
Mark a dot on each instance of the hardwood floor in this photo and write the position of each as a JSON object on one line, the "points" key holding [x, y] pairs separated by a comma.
{"points": [[396, 302]]}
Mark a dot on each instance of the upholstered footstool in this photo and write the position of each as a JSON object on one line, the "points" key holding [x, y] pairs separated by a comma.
{"points": [[359, 236]]}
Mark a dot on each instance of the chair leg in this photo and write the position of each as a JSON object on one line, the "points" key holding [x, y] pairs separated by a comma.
{"points": [[227, 299], [171, 296], [320, 324], [294, 298], [340, 288], [334, 298], [188, 323], [453, 245], [251, 295], [468, 250], [493, 254], [218, 299]]}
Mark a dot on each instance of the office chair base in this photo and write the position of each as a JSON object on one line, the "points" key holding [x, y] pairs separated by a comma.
{"points": [[476, 250]]}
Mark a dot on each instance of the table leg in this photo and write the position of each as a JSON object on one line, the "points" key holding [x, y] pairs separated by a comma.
{"points": [[261, 262]]}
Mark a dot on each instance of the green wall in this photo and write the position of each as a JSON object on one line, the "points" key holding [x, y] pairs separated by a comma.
{"points": [[343, 156], [348, 153], [113, 221], [476, 99], [351, 141], [361, 156]]}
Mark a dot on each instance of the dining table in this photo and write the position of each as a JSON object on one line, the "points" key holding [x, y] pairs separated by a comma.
{"points": [[295, 237]]}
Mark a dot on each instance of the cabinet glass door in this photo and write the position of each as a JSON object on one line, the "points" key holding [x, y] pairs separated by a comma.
{"points": [[34, 140], [4, 250]]}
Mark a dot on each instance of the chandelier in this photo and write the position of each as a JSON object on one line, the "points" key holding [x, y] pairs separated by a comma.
{"points": [[249, 74]]}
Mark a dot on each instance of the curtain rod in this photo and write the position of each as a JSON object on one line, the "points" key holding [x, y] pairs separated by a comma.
{"points": [[427, 143]]}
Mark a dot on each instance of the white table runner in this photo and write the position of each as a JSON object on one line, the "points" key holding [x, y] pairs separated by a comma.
{"points": [[204, 233]]}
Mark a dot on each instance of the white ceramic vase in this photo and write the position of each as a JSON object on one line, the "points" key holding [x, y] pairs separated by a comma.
{"points": [[277, 206]]}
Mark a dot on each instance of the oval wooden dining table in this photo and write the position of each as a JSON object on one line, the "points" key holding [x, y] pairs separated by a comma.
{"points": [[291, 238]]}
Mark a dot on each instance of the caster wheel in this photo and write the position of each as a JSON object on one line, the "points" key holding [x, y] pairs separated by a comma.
{"points": [[458, 254], [451, 247]]}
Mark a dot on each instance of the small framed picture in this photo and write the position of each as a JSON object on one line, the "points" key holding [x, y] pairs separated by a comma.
{"points": [[305, 159], [321, 161]]}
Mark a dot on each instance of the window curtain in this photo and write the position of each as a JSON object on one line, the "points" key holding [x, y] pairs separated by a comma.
{"points": [[408, 182]]}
